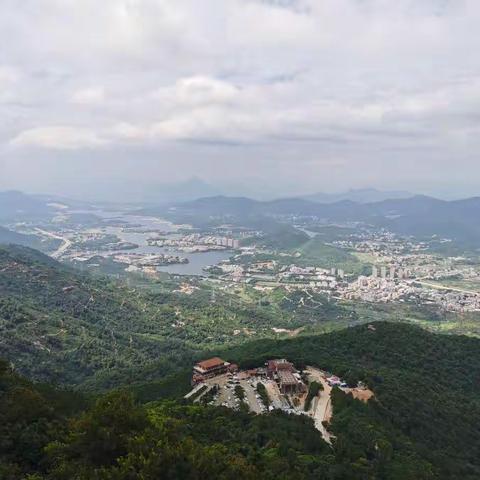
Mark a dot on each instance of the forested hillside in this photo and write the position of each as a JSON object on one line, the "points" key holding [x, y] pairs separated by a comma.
{"points": [[57, 435], [427, 386], [63, 327], [424, 420], [419, 426], [8, 236], [60, 326]]}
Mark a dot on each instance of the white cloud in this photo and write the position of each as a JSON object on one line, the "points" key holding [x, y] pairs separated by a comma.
{"points": [[337, 78], [58, 138], [89, 96], [8, 75], [198, 90]]}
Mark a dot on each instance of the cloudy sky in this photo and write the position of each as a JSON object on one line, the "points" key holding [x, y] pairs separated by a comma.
{"points": [[270, 96]]}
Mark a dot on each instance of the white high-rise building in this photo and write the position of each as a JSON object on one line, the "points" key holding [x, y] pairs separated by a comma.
{"points": [[383, 272], [374, 272], [362, 281]]}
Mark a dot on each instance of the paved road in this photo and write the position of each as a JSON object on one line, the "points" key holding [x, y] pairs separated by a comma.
{"points": [[441, 287], [322, 405], [66, 242], [445, 287], [195, 390]]}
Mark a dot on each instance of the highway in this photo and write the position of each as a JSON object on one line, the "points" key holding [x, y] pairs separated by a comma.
{"points": [[63, 247], [445, 287]]}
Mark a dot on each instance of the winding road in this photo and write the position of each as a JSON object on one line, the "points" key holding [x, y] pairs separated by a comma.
{"points": [[62, 248], [322, 404]]}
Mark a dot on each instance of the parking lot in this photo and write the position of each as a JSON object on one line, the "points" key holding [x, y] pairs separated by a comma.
{"points": [[252, 398], [228, 397]]}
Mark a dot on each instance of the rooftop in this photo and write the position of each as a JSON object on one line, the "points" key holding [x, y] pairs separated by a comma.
{"points": [[287, 378], [211, 363]]}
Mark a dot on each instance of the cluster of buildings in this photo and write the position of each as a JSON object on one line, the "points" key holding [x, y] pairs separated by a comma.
{"points": [[388, 289], [380, 244], [269, 271], [196, 242], [400, 272], [326, 277], [140, 260], [453, 301], [404, 270], [375, 289], [281, 371], [390, 272], [283, 389]]}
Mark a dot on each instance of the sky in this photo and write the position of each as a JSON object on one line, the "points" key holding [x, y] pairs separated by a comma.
{"points": [[262, 97]]}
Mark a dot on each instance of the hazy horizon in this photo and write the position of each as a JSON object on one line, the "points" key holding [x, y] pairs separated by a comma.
{"points": [[196, 188]]}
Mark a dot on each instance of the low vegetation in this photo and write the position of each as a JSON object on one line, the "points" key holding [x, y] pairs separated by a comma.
{"points": [[209, 395], [240, 392], [263, 394]]}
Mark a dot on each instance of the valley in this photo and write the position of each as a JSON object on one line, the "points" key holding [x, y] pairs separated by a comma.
{"points": [[239, 240], [100, 317]]}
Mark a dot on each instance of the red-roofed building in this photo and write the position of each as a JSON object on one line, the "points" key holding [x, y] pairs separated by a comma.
{"points": [[211, 368]]}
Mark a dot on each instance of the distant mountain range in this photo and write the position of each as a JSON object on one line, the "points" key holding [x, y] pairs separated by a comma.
{"points": [[17, 206], [419, 216], [364, 195]]}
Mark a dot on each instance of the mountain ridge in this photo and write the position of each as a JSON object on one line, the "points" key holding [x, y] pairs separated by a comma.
{"points": [[360, 195], [419, 216]]}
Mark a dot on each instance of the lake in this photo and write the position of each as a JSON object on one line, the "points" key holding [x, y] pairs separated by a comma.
{"points": [[197, 261]]}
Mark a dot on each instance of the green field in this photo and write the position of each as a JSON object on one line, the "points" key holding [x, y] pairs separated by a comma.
{"points": [[317, 253], [460, 284]]}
